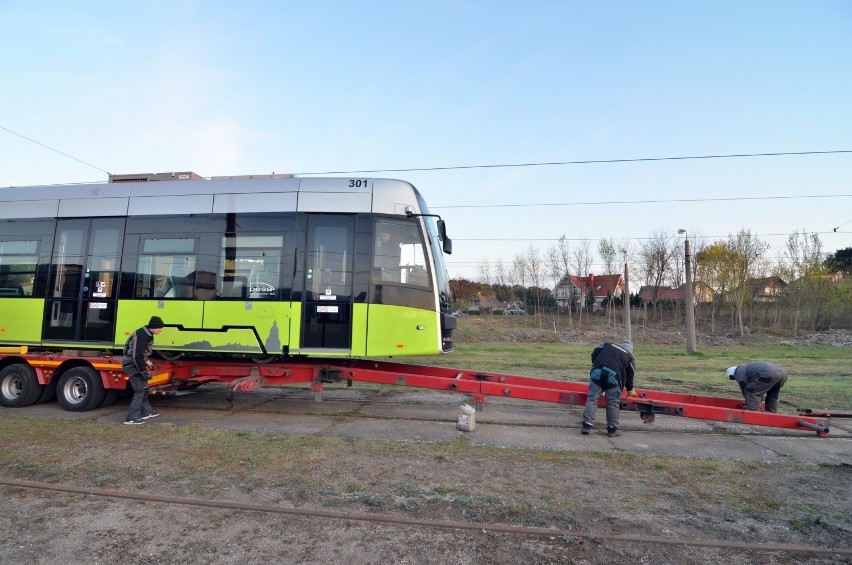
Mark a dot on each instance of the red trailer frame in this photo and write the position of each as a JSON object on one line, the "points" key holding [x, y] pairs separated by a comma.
{"points": [[172, 377]]}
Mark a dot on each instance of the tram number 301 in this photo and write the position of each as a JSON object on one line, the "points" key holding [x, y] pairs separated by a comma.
{"points": [[357, 183]]}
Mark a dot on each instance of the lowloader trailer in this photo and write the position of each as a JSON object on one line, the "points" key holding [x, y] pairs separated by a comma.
{"points": [[81, 380]]}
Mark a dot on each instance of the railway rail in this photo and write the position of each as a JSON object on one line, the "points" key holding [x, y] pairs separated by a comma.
{"points": [[392, 519]]}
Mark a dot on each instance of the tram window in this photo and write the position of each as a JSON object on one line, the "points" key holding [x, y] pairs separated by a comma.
{"points": [[251, 266], [18, 260], [399, 256], [164, 268]]}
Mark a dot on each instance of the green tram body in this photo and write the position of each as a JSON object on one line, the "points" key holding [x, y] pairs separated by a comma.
{"points": [[259, 267]]}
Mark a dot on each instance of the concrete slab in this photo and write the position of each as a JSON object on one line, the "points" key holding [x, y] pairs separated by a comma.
{"points": [[828, 450], [398, 430], [431, 416]]}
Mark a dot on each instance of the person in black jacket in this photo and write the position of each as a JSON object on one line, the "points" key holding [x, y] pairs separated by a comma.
{"points": [[135, 363], [613, 367]]}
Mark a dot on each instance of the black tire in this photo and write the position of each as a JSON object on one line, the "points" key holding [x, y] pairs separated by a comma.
{"points": [[48, 393], [109, 398], [80, 389], [168, 355], [19, 386]]}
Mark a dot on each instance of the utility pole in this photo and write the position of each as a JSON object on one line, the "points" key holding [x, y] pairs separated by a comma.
{"points": [[689, 303], [625, 296]]}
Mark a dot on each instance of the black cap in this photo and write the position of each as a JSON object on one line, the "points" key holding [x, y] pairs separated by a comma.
{"points": [[155, 322]]}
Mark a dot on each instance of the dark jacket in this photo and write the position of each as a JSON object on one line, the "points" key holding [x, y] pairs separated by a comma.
{"points": [[616, 358], [750, 372], [137, 349]]}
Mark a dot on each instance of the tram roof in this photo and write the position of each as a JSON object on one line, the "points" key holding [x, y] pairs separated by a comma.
{"points": [[132, 196]]}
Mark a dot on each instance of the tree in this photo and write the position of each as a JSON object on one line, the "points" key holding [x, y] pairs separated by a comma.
{"points": [[520, 270], [608, 250], [535, 268], [840, 261], [711, 269], [582, 261], [655, 255], [807, 291], [745, 257], [485, 272]]}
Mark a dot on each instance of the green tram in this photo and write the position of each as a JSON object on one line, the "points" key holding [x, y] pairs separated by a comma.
{"points": [[261, 267]]}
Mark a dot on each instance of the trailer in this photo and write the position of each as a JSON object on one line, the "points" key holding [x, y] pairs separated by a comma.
{"points": [[82, 380]]}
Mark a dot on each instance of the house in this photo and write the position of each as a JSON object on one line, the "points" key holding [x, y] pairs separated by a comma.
{"points": [[766, 289], [577, 289], [484, 305], [701, 293]]}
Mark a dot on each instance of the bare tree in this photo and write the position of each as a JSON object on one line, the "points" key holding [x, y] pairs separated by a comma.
{"points": [[560, 256], [608, 251], [521, 271], [656, 256], [485, 272], [500, 273], [581, 261], [535, 269]]}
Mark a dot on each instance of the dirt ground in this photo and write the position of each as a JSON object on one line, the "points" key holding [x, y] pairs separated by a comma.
{"points": [[689, 508], [587, 498]]}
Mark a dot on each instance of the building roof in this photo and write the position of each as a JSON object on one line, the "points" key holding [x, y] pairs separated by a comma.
{"points": [[600, 285]]}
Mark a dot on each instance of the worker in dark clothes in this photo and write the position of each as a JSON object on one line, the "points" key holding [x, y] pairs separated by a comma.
{"points": [[135, 363], [758, 379], [613, 367]]}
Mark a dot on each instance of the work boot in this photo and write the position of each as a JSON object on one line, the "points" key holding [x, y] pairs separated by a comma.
{"points": [[612, 432], [586, 429]]}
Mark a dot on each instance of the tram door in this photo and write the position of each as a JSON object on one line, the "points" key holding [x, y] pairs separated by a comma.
{"points": [[81, 295], [327, 307]]}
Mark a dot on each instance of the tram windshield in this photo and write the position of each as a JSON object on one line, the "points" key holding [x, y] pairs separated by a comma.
{"points": [[438, 242]]}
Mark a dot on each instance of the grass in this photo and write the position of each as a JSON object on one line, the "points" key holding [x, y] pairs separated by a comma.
{"points": [[451, 480], [458, 479], [819, 376]]}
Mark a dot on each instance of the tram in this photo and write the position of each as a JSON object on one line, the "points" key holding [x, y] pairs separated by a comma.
{"points": [[262, 267]]}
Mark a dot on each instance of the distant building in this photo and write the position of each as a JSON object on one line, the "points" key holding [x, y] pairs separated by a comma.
{"points": [[573, 288], [701, 293]]}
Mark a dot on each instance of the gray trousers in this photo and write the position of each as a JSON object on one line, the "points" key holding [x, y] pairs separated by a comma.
{"points": [[139, 405], [770, 386], [612, 405]]}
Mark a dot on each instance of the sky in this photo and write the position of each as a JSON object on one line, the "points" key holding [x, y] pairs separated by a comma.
{"points": [[465, 99]]}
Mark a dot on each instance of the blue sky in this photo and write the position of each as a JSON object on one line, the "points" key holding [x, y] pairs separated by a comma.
{"points": [[230, 88]]}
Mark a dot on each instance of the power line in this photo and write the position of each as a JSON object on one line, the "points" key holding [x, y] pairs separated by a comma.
{"points": [[582, 162], [56, 150], [660, 201], [619, 238]]}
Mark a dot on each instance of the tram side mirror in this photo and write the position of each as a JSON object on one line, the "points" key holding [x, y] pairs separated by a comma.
{"points": [[448, 243]]}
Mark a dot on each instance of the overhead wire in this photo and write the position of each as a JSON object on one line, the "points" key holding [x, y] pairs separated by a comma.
{"points": [[56, 150], [645, 201], [580, 162]]}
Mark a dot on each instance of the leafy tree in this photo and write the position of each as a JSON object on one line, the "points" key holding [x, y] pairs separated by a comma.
{"points": [[711, 263], [840, 261], [746, 254]]}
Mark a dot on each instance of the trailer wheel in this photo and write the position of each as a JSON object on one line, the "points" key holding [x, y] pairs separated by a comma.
{"points": [[110, 397], [169, 355], [48, 393], [80, 389], [18, 386]]}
